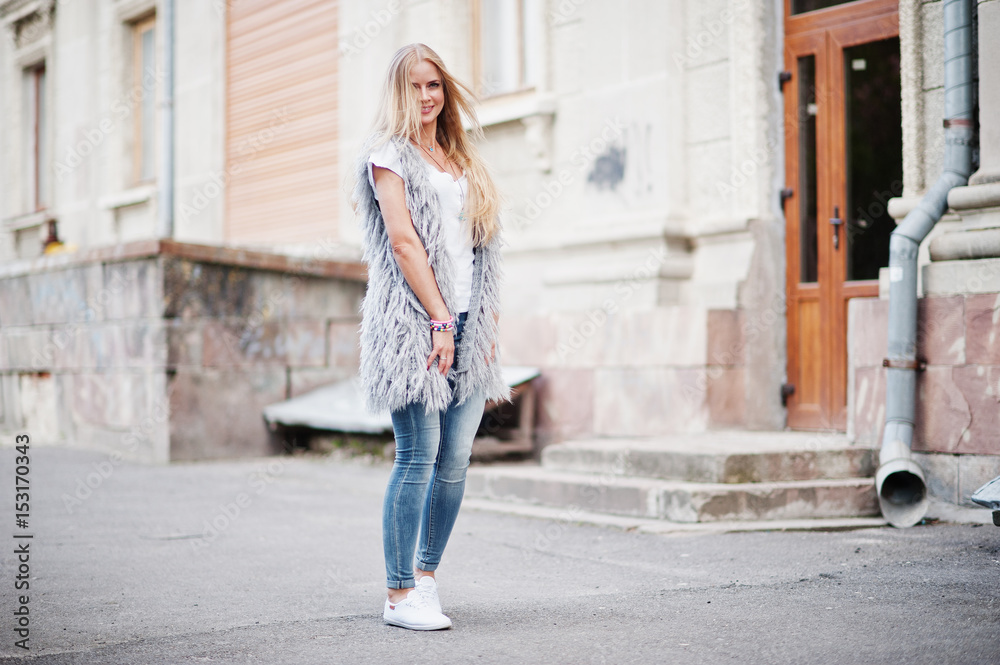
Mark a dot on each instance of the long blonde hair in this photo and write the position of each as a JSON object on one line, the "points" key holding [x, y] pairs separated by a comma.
{"points": [[399, 115]]}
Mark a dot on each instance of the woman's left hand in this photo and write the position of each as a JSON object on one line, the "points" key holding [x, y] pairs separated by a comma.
{"points": [[443, 349]]}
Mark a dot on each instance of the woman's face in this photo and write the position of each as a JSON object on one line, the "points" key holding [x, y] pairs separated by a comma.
{"points": [[426, 80]]}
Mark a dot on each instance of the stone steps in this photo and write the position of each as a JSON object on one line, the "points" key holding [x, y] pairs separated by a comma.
{"points": [[733, 458], [712, 477], [675, 500]]}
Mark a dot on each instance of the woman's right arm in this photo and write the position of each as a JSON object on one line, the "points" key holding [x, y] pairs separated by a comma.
{"points": [[411, 256]]}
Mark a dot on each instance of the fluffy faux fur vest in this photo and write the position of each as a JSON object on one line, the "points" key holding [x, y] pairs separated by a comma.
{"points": [[395, 327]]}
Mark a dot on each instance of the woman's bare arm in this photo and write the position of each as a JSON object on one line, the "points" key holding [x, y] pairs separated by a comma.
{"points": [[411, 256]]}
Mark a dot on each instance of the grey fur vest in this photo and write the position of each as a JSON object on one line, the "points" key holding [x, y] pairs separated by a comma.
{"points": [[395, 327]]}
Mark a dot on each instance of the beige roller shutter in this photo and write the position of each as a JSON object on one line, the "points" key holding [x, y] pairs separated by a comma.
{"points": [[281, 121]]}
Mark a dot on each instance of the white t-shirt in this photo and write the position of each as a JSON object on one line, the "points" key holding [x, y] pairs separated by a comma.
{"points": [[450, 193]]}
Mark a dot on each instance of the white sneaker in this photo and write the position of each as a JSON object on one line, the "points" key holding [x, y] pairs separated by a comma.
{"points": [[414, 613], [427, 587]]}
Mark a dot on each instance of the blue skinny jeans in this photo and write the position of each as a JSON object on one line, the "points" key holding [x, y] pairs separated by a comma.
{"points": [[427, 483]]}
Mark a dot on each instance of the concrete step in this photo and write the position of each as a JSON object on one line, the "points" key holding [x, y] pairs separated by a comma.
{"points": [[651, 525], [718, 457], [674, 500]]}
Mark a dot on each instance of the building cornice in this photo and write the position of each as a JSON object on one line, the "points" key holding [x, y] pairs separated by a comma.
{"points": [[28, 20]]}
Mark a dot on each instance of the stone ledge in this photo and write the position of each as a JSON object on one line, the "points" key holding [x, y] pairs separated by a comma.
{"points": [[962, 245], [972, 197], [347, 270], [962, 277], [731, 457]]}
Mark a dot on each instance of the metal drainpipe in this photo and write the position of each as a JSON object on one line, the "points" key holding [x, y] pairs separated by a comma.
{"points": [[165, 197], [902, 491]]}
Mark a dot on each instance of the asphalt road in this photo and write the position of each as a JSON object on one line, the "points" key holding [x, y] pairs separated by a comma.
{"points": [[279, 561]]}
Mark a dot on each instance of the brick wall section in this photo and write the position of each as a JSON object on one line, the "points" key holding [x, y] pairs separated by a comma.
{"points": [[163, 351]]}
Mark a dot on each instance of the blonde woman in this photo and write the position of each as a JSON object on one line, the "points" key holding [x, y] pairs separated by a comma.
{"points": [[428, 209]]}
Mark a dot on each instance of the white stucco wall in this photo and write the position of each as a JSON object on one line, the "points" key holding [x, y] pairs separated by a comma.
{"points": [[685, 92], [199, 121]]}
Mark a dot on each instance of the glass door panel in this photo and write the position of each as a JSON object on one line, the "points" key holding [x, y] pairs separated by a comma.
{"points": [[803, 6], [807, 110], [874, 147]]}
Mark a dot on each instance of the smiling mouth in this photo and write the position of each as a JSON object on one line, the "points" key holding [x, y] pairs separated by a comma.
{"points": [[426, 109]]}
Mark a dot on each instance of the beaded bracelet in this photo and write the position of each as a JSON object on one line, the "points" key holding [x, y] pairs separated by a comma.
{"points": [[443, 326]]}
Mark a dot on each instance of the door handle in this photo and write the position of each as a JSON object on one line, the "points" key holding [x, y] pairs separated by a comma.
{"points": [[837, 222]]}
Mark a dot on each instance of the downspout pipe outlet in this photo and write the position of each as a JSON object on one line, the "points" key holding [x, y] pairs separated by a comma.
{"points": [[900, 482]]}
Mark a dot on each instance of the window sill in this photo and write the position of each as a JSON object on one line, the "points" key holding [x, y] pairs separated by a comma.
{"points": [[130, 11], [29, 220], [516, 106], [128, 197]]}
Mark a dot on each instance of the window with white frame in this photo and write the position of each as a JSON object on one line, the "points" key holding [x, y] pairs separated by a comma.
{"points": [[36, 137], [144, 99], [507, 54]]}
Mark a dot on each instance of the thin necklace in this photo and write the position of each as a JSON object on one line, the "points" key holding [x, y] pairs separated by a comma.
{"points": [[461, 189], [431, 146], [434, 159]]}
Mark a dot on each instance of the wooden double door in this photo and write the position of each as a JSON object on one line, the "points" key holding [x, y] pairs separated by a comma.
{"points": [[843, 138]]}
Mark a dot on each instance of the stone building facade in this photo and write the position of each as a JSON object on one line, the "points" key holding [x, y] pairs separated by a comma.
{"points": [[646, 152], [163, 341]]}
